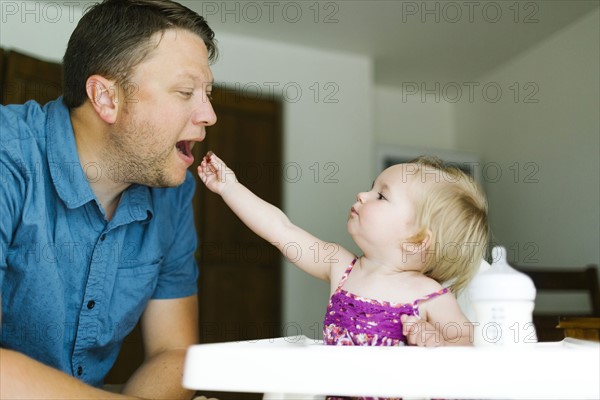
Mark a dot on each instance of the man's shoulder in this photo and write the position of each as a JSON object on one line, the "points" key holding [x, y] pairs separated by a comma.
{"points": [[22, 121], [26, 111], [25, 130]]}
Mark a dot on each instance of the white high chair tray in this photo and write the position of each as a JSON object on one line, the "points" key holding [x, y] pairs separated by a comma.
{"points": [[569, 369]]}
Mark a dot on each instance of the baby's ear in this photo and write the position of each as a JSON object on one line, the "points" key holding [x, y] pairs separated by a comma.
{"points": [[418, 243]]}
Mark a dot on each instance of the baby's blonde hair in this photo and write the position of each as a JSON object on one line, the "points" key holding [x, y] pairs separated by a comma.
{"points": [[454, 209]]}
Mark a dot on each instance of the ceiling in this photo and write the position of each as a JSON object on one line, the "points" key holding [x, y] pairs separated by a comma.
{"points": [[417, 40]]}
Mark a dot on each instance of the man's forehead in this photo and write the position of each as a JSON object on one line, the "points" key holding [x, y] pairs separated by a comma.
{"points": [[206, 76], [172, 40], [183, 53]]}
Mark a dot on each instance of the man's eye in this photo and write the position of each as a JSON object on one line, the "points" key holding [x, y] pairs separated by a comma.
{"points": [[186, 94]]}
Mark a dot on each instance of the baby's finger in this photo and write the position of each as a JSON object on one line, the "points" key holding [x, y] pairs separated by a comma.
{"points": [[408, 322], [410, 328], [213, 159], [216, 164], [206, 167]]}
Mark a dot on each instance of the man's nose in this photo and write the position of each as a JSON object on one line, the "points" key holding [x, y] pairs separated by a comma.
{"points": [[204, 113]]}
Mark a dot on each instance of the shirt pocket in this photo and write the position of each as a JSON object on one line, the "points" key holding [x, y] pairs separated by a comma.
{"points": [[134, 287]]}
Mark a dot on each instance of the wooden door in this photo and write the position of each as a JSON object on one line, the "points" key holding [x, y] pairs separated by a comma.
{"points": [[240, 277], [239, 285], [2, 61], [28, 78]]}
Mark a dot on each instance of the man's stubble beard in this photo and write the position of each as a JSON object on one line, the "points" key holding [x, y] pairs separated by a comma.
{"points": [[129, 161]]}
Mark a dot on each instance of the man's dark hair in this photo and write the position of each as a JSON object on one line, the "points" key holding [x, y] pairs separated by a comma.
{"points": [[114, 36]]}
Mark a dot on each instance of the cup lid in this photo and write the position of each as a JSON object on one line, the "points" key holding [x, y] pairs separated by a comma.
{"points": [[501, 281]]}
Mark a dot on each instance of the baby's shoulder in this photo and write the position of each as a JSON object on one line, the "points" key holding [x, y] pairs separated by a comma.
{"points": [[425, 285], [343, 260]]}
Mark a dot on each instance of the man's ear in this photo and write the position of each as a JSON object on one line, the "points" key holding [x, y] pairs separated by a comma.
{"points": [[103, 94]]}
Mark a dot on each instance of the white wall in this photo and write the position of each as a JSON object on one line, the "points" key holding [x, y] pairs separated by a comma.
{"points": [[328, 120], [408, 118], [552, 204], [548, 213], [38, 28]]}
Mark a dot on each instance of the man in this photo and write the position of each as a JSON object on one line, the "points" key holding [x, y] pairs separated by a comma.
{"points": [[97, 228]]}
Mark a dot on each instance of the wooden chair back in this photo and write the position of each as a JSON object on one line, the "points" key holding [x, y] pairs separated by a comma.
{"points": [[553, 280]]}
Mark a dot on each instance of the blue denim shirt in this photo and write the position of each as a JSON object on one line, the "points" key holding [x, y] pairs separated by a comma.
{"points": [[74, 285]]}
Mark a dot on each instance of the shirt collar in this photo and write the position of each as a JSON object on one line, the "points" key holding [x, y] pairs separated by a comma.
{"points": [[138, 201], [68, 176], [65, 168]]}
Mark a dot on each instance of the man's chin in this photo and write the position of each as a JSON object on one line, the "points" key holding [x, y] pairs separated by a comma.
{"points": [[164, 182], [173, 180]]}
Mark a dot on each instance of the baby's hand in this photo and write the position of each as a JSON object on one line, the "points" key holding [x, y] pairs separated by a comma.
{"points": [[419, 332], [214, 173]]}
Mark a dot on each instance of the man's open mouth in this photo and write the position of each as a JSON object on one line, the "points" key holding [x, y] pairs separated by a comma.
{"points": [[184, 147]]}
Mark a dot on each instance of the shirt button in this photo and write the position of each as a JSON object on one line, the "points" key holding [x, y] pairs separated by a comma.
{"points": [[79, 370], [91, 304], [103, 237]]}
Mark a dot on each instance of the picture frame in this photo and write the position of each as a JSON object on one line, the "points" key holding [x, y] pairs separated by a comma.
{"points": [[388, 155]]}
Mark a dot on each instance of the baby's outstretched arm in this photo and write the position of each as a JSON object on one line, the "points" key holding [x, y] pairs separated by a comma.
{"points": [[269, 222]]}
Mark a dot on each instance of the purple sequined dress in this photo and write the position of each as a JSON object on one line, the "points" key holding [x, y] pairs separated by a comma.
{"points": [[352, 320]]}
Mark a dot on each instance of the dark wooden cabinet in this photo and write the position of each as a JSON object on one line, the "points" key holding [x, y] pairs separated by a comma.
{"points": [[25, 77]]}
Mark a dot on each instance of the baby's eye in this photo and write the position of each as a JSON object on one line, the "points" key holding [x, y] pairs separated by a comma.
{"points": [[380, 197]]}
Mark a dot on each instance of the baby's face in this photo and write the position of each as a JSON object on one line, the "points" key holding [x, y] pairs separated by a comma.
{"points": [[386, 214]]}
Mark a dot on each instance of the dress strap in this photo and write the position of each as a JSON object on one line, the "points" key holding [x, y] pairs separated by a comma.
{"points": [[346, 273], [425, 298]]}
